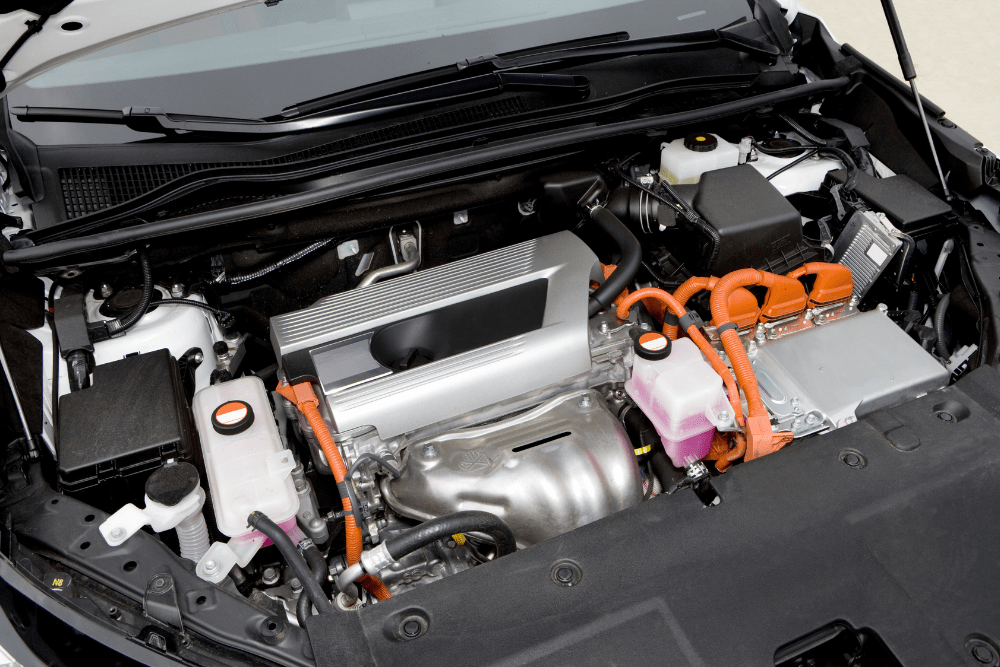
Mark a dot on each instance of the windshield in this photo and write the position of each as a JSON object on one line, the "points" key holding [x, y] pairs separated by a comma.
{"points": [[253, 61]]}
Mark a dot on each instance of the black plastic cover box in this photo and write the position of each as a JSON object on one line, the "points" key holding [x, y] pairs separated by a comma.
{"points": [[132, 419], [908, 205], [758, 227]]}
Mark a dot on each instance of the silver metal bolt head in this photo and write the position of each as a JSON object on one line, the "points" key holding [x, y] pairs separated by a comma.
{"points": [[723, 416], [604, 327], [211, 567], [269, 576], [586, 401], [105, 291], [820, 319], [198, 357], [882, 308], [797, 422], [810, 419], [428, 451], [853, 303], [177, 290], [645, 326]]}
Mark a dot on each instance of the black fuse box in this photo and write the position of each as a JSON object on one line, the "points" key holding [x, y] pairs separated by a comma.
{"points": [[758, 227], [113, 434]]}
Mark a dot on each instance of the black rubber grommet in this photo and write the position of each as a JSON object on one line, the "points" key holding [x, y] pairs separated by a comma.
{"points": [[653, 346], [232, 417]]}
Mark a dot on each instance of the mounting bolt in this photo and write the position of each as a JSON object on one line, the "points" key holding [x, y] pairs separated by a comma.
{"points": [[853, 303], [586, 401], [810, 419], [270, 576], [461, 217], [820, 320], [526, 207], [428, 451], [882, 308], [604, 328], [177, 290], [723, 416], [797, 422], [211, 567], [117, 533], [105, 290]]}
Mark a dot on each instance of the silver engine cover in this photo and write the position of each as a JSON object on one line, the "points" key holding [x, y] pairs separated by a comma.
{"points": [[339, 342], [547, 471]]}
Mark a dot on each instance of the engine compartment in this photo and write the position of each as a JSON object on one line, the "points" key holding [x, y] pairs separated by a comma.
{"points": [[395, 406]]}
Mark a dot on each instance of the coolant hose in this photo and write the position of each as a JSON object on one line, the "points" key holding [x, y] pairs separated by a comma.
{"points": [[310, 587], [626, 269], [320, 573], [696, 336], [304, 398], [134, 315], [472, 521], [940, 313]]}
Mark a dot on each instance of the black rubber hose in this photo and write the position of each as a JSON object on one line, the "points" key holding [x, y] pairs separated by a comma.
{"points": [[295, 560], [627, 267], [940, 313], [133, 316], [453, 524], [316, 562]]}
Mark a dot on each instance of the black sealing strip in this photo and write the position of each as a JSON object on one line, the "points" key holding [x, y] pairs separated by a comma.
{"points": [[380, 178]]}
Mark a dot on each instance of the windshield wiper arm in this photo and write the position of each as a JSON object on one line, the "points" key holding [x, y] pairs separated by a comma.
{"points": [[155, 119], [589, 49]]}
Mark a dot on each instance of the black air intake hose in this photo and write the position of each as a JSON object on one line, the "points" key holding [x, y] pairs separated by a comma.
{"points": [[453, 524], [627, 267], [940, 313]]}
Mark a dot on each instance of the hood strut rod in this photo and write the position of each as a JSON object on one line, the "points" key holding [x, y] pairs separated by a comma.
{"points": [[910, 74]]}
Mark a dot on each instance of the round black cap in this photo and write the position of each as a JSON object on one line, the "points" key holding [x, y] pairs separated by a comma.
{"points": [[700, 143], [232, 417], [653, 346], [172, 483]]}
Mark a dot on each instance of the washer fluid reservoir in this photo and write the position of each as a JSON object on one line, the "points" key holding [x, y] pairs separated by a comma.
{"points": [[683, 161], [680, 393]]}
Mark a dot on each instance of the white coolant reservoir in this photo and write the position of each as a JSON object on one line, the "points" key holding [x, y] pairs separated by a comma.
{"points": [[684, 160], [680, 393], [248, 468]]}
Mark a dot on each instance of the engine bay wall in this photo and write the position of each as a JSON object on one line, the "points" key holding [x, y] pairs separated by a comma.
{"points": [[883, 525]]}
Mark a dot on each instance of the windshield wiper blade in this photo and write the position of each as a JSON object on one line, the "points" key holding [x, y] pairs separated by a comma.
{"points": [[156, 120], [589, 49]]}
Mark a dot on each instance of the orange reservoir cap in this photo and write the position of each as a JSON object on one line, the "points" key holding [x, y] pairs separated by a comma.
{"points": [[232, 417]]}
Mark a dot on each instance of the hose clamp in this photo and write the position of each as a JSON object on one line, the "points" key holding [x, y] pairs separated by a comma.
{"points": [[689, 318], [374, 560]]}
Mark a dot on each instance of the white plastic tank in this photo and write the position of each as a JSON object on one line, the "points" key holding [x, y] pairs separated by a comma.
{"points": [[680, 393], [247, 466], [684, 160]]}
